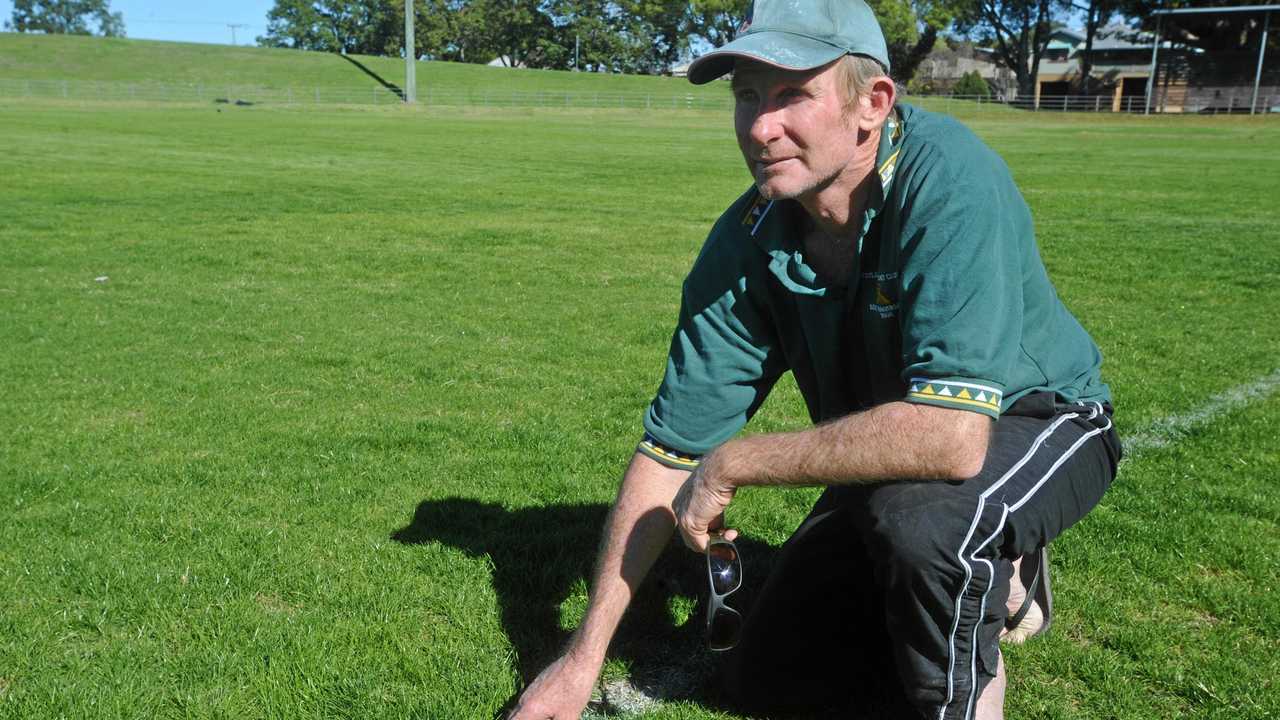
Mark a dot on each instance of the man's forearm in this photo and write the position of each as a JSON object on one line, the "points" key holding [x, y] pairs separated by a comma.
{"points": [[896, 440], [638, 528]]}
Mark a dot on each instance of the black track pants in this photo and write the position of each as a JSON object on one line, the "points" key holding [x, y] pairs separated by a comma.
{"points": [[892, 596]]}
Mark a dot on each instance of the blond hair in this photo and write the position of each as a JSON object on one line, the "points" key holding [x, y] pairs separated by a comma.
{"points": [[855, 74]]}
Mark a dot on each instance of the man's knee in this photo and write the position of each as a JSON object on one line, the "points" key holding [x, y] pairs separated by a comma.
{"points": [[936, 549], [919, 527]]}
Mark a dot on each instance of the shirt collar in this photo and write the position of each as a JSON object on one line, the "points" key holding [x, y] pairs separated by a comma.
{"points": [[887, 154], [772, 223]]}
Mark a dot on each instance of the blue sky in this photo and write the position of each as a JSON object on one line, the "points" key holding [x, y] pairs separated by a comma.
{"points": [[204, 22]]}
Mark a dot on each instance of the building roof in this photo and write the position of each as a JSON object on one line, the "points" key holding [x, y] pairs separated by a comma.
{"points": [[1110, 39], [1065, 37]]}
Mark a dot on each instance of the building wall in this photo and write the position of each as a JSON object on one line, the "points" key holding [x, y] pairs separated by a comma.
{"points": [[1228, 98], [939, 72]]}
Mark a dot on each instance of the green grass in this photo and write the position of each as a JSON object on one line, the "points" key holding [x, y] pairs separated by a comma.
{"points": [[68, 57], [336, 436]]}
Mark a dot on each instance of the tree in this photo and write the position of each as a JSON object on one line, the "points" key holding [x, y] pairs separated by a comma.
{"points": [[897, 20], [656, 27], [911, 30], [631, 36], [1096, 14], [449, 30], [365, 27], [65, 17], [716, 21], [517, 32], [971, 84], [1019, 29]]}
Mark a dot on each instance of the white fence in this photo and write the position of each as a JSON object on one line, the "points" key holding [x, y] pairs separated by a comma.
{"points": [[88, 90], [1104, 103], [1048, 103]]}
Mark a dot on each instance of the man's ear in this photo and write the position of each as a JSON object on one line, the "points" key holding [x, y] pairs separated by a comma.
{"points": [[877, 104]]}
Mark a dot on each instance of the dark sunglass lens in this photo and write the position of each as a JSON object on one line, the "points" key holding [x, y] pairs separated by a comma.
{"points": [[726, 571], [725, 627], [722, 552]]}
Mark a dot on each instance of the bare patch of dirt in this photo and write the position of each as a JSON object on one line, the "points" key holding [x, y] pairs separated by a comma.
{"points": [[275, 605], [1203, 617]]}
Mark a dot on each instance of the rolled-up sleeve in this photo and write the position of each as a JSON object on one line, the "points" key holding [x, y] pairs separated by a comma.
{"points": [[723, 359], [961, 289]]}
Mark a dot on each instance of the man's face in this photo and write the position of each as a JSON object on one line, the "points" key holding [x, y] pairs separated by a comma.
{"points": [[792, 128]]}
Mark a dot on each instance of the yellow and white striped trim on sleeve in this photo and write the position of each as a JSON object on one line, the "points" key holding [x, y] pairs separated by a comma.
{"points": [[666, 456], [956, 393]]}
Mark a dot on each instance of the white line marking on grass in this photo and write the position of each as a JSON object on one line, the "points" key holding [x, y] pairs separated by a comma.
{"points": [[1168, 430]]}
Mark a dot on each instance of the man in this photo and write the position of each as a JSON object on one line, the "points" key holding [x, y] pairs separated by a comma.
{"points": [[884, 257]]}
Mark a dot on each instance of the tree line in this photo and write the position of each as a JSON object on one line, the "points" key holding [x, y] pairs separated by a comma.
{"points": [[650, 36], [66, 17], [630, 36], [626, 36]]}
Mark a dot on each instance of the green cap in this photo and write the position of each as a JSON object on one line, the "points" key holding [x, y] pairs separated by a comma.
{"points": [[797, 35]]}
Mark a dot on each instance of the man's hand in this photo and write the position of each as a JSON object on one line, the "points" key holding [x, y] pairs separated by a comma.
{"points": [[637, 529], [560, 692], [700, 503]]}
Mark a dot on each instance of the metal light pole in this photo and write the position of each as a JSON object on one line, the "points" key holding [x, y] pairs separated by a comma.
{"points": [[410, 56], [1151, 77], [1262, 53]]}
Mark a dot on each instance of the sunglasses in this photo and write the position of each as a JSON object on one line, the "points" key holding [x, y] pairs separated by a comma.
{"points": [[724, 569]]}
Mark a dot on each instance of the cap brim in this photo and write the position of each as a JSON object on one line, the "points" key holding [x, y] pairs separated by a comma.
{"points": [[784, 50]]}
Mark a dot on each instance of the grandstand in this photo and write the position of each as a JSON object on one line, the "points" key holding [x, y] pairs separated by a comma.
{"points": [[1229, 79]]}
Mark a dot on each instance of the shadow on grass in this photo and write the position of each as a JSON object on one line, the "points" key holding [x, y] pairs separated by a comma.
{"points": [[395, 89], [541, 554]]}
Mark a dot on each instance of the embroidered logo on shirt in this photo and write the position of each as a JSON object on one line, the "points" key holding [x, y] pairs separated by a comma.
{"points": [[883, 303]]}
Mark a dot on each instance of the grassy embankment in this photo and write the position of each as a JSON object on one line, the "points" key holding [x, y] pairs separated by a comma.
{"points": [[33, 57]]}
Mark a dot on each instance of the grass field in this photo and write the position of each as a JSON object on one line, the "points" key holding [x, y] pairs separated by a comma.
{"points": [[317, 413], [68, 57]]}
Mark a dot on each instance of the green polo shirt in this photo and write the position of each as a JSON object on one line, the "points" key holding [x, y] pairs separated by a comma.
{"points": [[950, 304]]}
